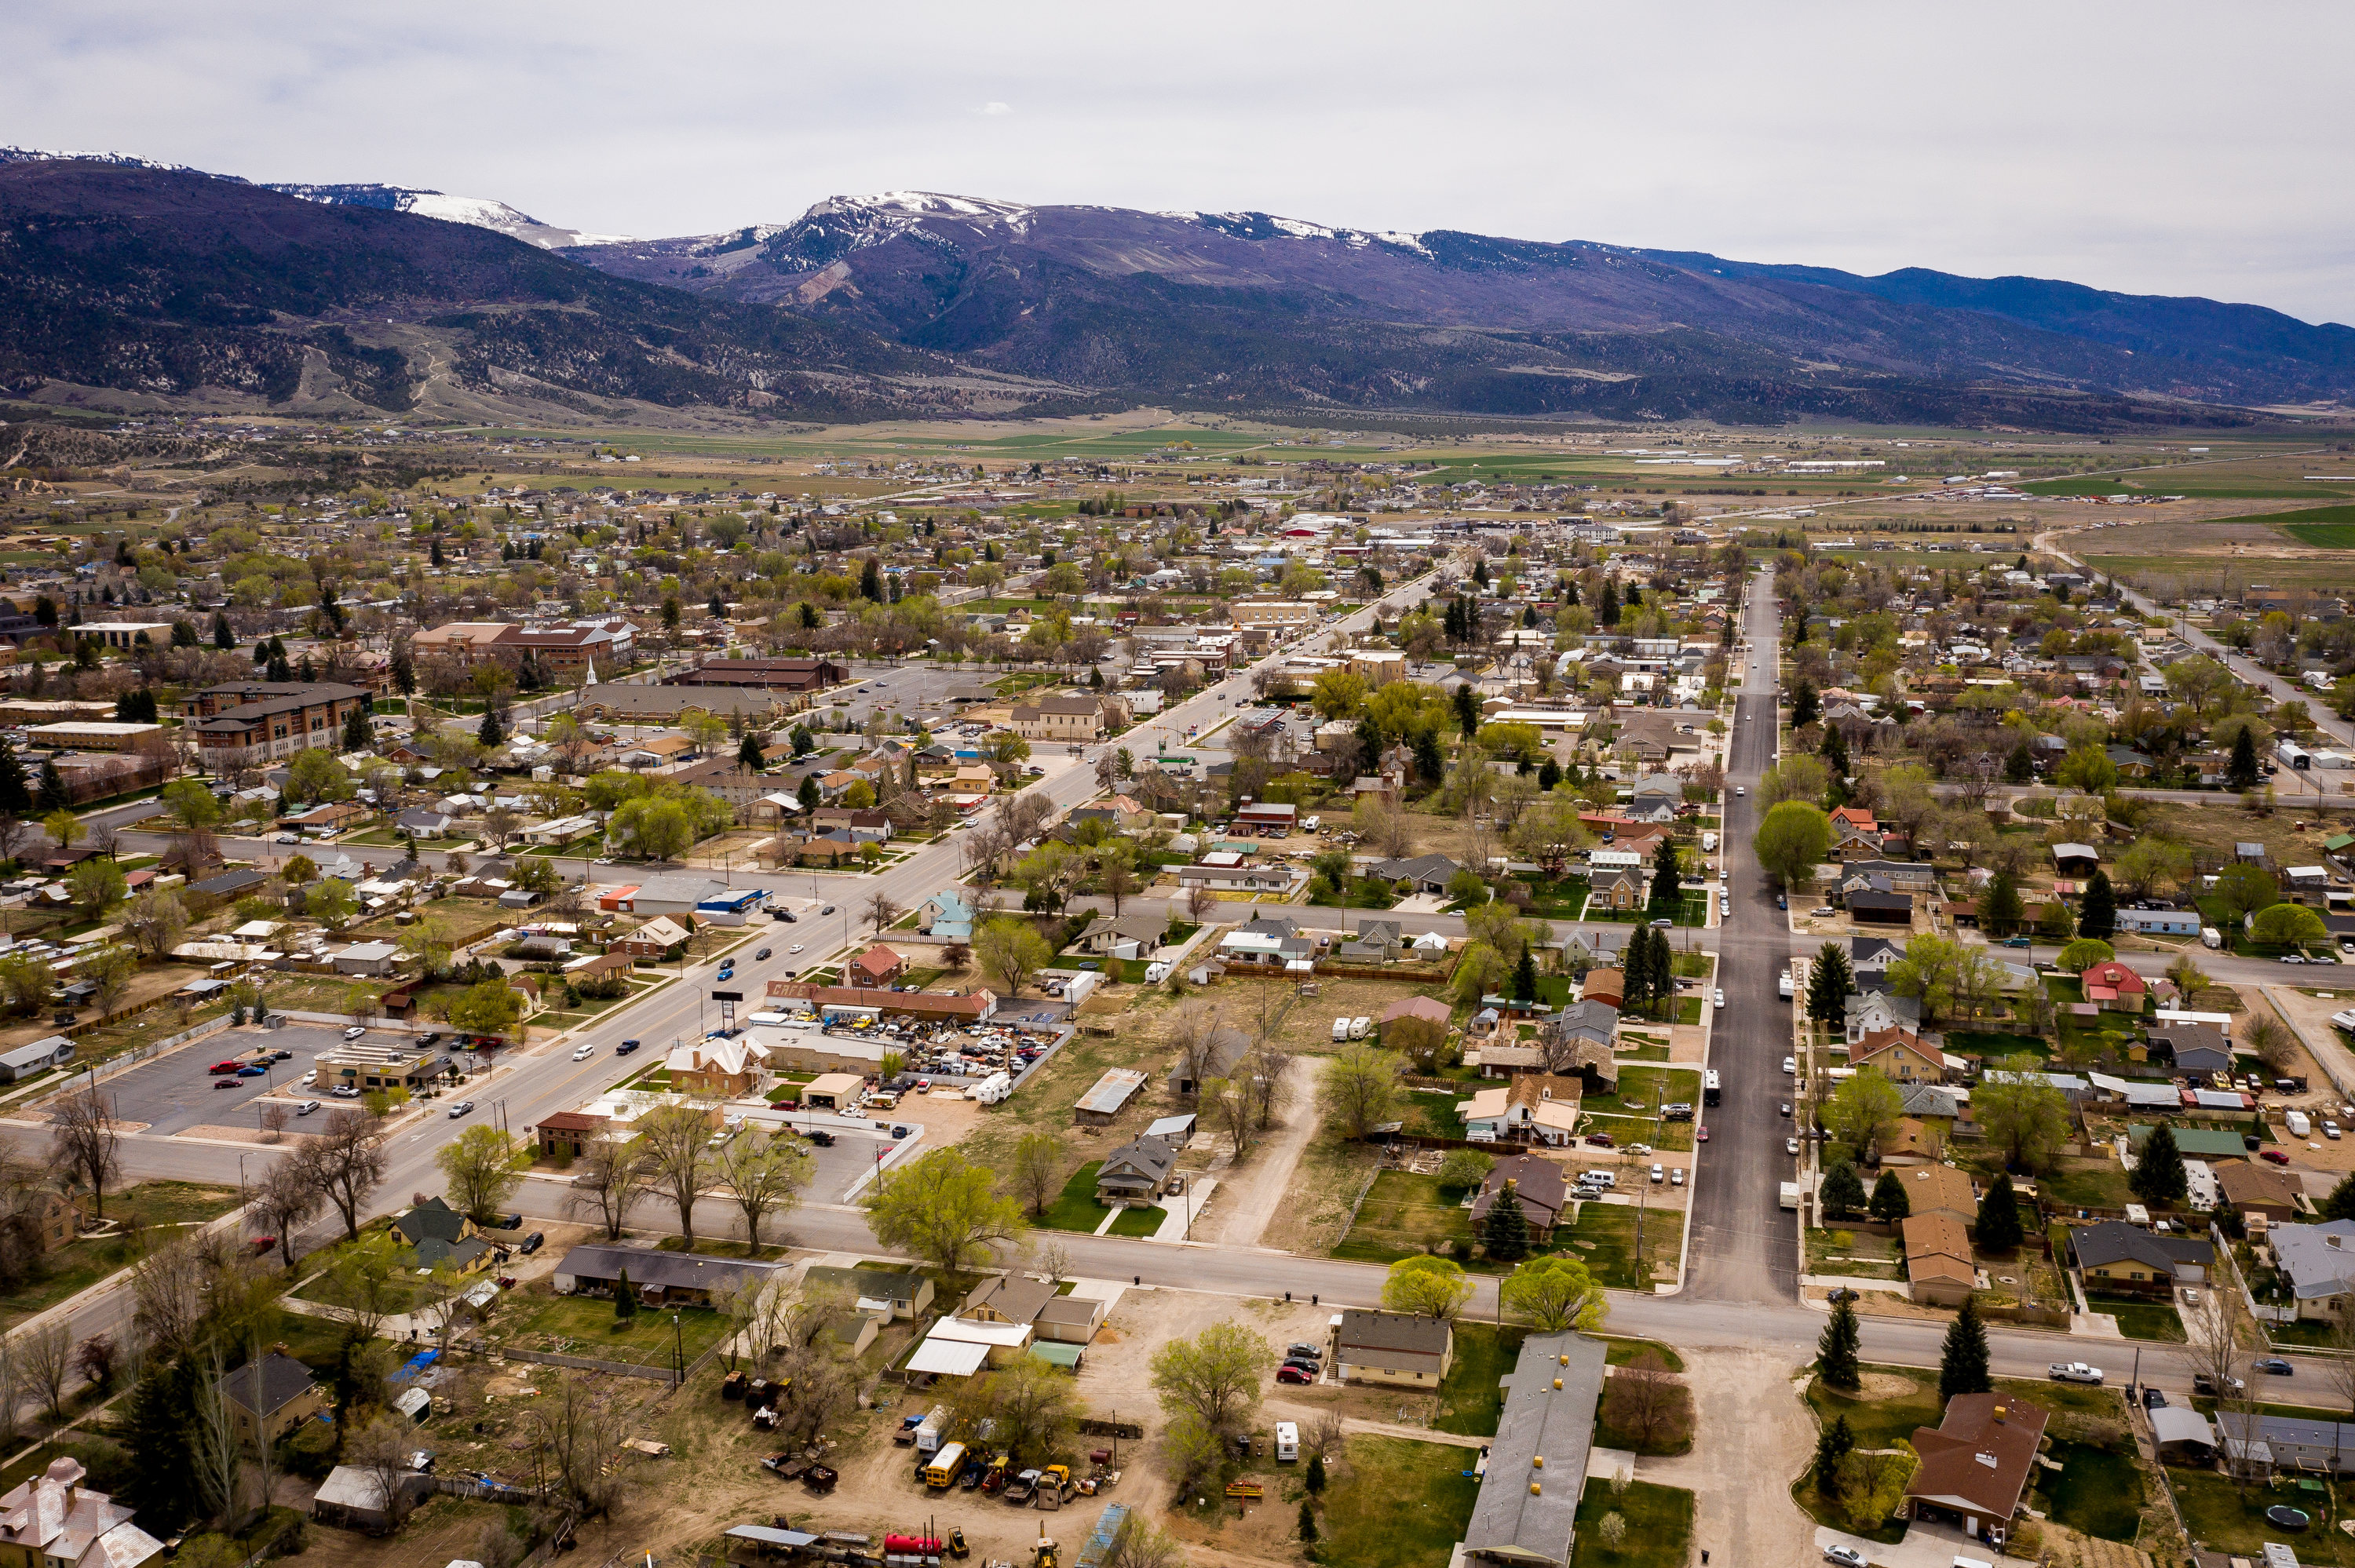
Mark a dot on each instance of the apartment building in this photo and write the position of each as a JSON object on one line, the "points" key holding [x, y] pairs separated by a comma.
{"points": [[249, 722]]}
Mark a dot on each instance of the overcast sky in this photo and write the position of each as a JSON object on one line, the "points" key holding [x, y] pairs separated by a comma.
{"points": [[2149, 147]]}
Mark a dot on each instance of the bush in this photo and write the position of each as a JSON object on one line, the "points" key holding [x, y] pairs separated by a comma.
{"points": [[1843, 1239], [1460, 1249]]}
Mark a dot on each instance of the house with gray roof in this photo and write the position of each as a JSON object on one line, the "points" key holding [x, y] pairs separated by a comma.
{"points": [[1420, 874], [1526, 1512], [1136, 1173], [2118, 1254], [2319, 1263]]}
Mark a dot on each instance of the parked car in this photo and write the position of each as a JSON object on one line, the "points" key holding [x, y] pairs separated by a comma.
{"points": [[2275, 1365], [2017, 942], [1790, 1066], [219, 1067], [2292, 958], [252, 1070], [461, 1109], [304, 1108], [228, 1083], [1292, 1374], [2154, 1399], [2275, 1156], [1298, 1352], [2074, 1371], [1845, 1557], [1700, 1133], [431, 1037], [1677, 1177], [355, 1032], [1718, 997], [533, 1243], [1791, 1146], [1659, 1173], [1601, 1140], [1785, 1106], [344, 1092]]}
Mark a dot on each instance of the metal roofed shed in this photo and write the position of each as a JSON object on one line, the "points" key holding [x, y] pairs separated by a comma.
{"points": [[1110, 1097], [948, 1358], [1527, 1511]]}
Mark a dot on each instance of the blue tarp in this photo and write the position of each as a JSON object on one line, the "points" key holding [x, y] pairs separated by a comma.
{"points": [[416, 1364]]}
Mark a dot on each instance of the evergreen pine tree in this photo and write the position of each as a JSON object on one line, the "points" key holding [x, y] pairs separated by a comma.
{"points": [[625, 1297], [1830, 984], [749, 755], [1506, 1230], [2000, 914], [355, 730], [52, 796], [2242, 774], [1890, 1203], [1635, 967], [1834, 751], [224, 638], [1998, 1227], [2158, 1177], [1963, 1361], [717, 606], [16, 793], [1832, 1447], [1315, 1479], [1525, 976], [809, 794], [1667, 879], [183, 634], [2020, 766], [435, 553], [2097, 915], [1805, 705], [1307, 1523], [1548, 775], [156, 1430], [1607, 612], [490, 734], [1843, 1192], [1836, 1348], [1430, 763], [870, 581]]}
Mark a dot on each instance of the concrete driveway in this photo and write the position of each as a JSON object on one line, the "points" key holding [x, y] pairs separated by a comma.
{"points": [[1924, 1546]]}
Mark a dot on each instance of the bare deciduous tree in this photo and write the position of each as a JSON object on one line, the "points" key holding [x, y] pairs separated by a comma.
{"points": [[168, 1288], [45, 1356], [677, 1141], [1194, 1030], [379, 1451], [275, 1115], [82, 1140], [764, 1173], [608, 1180], [1269, 1071], [348, 1162], [286, 1199], [2212, 1350]]}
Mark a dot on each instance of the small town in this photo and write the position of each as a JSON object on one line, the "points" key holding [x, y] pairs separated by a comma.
{"points": [[936, 790]]}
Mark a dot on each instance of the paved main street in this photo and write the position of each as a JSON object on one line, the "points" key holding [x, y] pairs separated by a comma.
{"points": [[1741, 1288]]}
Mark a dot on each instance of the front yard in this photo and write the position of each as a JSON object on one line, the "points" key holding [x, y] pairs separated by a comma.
{"points": [[149, 1214], [1658, 1523], [1398, 1503]]}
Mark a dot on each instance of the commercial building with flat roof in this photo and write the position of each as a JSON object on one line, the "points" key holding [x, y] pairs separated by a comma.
{"points": [[1526, 1512]]}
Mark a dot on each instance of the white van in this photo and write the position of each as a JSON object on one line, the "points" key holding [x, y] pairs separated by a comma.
{"points": [[1287, 1443], [1361, 1027], [1340, 1030]]}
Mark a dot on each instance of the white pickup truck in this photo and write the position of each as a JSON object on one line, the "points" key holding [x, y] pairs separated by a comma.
{"points": [[2074, 1371]]}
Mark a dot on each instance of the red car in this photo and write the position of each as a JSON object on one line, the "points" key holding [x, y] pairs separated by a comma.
{"points": [[261, 1244], [1292, 1375], [219, 1068], [1601, 1140], [1700, 1135], [2277, 1156]]}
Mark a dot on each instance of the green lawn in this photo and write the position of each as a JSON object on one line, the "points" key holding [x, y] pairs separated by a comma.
{"points": [[1879, 1422], [1995, 1046], [1470, 1402], [1622, 1351], [2138, 1318], [1604, 1240], [1075, 1209], [1398, 1504], [2221, 1521], [585, 1326], [1404, 1213], [1137, 1222], [1660, 1526], [2098, 1491], [2100, 1184], [78, 1264]]}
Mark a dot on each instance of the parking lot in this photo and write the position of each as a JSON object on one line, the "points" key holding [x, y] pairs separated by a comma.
{"points": [[918, 690], [852, 1156], [174, 1093]]}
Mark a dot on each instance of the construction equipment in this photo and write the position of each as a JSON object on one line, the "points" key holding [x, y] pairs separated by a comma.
{"points": [[1043, 1554], [1246, 1488], [994, 1481]]}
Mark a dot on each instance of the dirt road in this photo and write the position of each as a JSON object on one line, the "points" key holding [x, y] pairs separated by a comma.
{"points": [[1251, 1193]]}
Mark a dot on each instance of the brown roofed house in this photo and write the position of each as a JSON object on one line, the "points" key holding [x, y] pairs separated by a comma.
{"points": [[1941, 1189], [1606, 986], [1394, 1348], [1939, 1271], [1976, 1463], [2261, 1189], [1535, 1182], [878, 966]]}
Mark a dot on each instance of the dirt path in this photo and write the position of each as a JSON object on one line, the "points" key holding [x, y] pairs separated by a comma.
{"points": [[1752, 1435], [1249, 1196]]}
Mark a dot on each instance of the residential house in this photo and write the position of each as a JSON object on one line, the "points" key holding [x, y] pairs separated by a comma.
{"points": [[728, 1068], [656, 1276], [2121, 1256], [1007, 1298], [878, 966], [268, 1398], [654, 940], [566, 1135], [2112, 987], [2319, 1263], [1900, 1056], [1975, 1464], [2265, 1190], [443, 1237], [1064, 718], [1873, 907], [1418, 874], [1619, 888], [1873, 1011], [1902, 875], [1136, 1173], [1525, 1516], [947, 914], [1534, 1183], [2192, 1047], [50, 1519], [1942, 1190], [1538, 1106], [1608, 987], [1393, 1349], [1939, 1271], [1107, 932], [1429, 1008], [878, 1292]]}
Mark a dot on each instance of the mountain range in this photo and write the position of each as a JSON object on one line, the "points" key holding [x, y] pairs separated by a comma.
{"points": [[165, 281]]}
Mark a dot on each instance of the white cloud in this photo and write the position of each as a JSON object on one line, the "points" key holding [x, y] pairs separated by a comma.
{"points": [[994, 109], [2197, 159]]}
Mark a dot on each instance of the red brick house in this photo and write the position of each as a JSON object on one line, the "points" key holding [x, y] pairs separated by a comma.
{"points": [[878, 966]]}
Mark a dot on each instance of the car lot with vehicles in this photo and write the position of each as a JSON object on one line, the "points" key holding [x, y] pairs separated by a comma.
{"points": [[208, 1083]]}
